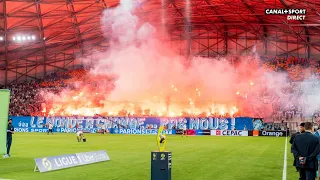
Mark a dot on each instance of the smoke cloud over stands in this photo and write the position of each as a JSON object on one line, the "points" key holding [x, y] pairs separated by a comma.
{"points": [[142, 75]]}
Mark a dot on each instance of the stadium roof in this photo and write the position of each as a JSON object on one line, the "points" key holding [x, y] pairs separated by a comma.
{"points": [[41, 36]]}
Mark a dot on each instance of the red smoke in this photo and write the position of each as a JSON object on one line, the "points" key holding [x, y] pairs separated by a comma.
{"points": [[142, 75]]}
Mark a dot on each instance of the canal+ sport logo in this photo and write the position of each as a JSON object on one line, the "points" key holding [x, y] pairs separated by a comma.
{"points": [[292, 14]]}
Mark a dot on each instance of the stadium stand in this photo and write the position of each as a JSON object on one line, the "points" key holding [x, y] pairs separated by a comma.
{"points": [[26, 99]]}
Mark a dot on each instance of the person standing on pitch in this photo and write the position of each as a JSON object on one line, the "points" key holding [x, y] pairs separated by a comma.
{"points": [[317, 133], [103, 129], [184, 130], [10, 131], [301, 129], [306, 148], [50, 127], [79, 136]]}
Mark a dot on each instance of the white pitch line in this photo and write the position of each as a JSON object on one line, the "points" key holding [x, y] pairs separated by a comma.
{"points": [[284, 172]]}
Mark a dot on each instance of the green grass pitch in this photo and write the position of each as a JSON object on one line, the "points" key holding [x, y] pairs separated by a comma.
{"points": [[193, 158]]}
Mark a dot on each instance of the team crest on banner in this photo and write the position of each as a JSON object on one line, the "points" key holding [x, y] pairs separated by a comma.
{"points": [[223, 125], [257, 123], [116, 131]]}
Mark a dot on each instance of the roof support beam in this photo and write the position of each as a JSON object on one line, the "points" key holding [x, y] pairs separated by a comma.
{"points": [[237, 23], [307, 40], [72, 12], [187, 28], [5, 42], [209, 48], [253, 29], [42, 40], [265, 41], [189, 41], [225, 28], [56, 45], [225, 37], [308, 44], [23, 74], [104, 4]]}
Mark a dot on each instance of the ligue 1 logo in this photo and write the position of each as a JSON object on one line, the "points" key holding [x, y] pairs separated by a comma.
{"points": [[154, 156], [163, 157], [47, 164]]}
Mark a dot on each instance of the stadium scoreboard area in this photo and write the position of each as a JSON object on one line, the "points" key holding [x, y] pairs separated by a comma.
{"points": [[292, 14]]}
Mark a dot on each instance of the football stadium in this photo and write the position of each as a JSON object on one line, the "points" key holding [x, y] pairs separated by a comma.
{"points": [[160, 90]]}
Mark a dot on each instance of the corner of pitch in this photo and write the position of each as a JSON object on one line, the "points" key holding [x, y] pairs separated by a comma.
{"points": [[296, 17]]}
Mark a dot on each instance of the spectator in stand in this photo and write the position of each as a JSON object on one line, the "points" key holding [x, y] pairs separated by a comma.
{"points": [[26, 100], [27, 96]]}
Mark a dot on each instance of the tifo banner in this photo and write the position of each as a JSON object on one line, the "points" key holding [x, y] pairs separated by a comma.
{"points": [[4, 111], [273, 133], [94, 124], [229, 133], [70, 160], [257, 124]]}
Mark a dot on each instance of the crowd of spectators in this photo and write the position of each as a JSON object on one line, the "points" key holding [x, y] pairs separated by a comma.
{"points": [[63, 79], [25, 98], [297, 68], [275, 127]]}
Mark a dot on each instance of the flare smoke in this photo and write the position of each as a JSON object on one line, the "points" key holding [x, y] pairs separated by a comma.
{"points": [[142, 75]]}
